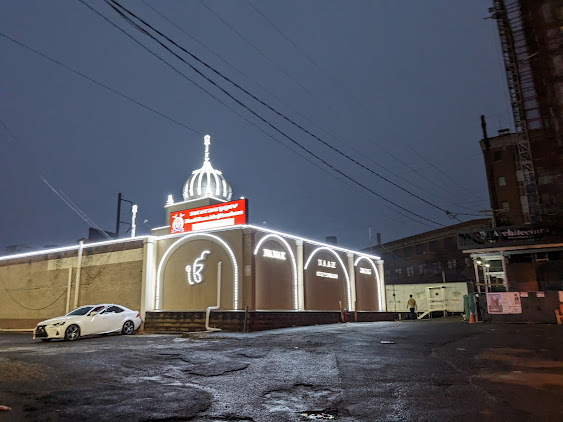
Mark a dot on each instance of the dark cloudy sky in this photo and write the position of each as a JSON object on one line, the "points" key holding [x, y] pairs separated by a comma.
{"points": [[397, 85]]}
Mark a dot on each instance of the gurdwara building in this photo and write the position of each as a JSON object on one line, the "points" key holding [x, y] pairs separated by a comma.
{"points": [[208, 267]]}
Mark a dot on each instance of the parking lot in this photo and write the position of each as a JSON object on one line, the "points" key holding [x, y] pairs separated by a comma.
{"points": [[434, 370]]}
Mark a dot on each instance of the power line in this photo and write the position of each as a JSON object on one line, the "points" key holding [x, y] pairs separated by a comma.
{"points": [[200, 87], [443, 173], [364, 107], [96, 82], [240, 103], [256, 114], [275, 111], [198, 41], [279, 100], [57, 192], [277, 65]]}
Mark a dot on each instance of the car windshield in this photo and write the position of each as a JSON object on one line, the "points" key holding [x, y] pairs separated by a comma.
{"points": [[83, 310]]}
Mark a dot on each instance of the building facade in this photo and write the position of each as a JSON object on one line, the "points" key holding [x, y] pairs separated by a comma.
{"points": [[206, 258], [430, 257], [531, 36]]}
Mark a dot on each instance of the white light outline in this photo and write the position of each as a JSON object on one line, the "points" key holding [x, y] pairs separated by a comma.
{"points": [[196, 272], [293, 263], [348, 288], [379, 296], [197, 199], [168, 236], [70, 248], [314, 242], [177, 244]]}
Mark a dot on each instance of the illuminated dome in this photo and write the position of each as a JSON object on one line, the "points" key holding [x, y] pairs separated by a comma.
{"points": [[207, 182]]}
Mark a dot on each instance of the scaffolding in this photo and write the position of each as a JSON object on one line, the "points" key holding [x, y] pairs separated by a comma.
{"points": [[523, 99]]}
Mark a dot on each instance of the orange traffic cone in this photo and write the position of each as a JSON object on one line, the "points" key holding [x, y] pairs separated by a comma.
{"points": [[471, 318]]}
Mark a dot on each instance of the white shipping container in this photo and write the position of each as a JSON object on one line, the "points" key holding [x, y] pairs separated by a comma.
{"points": [[429, 296]]}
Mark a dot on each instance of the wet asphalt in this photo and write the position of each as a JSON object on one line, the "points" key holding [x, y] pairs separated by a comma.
{"points": [[437, 370]]}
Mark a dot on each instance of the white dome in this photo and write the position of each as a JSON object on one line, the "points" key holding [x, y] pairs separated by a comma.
{"points": [[207, 182]]}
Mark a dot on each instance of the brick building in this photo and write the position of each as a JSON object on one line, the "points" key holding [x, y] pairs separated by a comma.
{"points": [[524, 168], [430, 257]]}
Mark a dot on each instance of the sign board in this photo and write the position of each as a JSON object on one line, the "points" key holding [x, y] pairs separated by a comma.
{"points": [[504, 303], [210, 217]]}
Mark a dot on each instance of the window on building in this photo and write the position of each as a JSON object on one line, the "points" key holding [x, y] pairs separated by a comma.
{"points": [[450, 242], [410, 271], [544, 180], [398, 272], [420, 248], [525, 205], [421, 269], [467, 261], [452, 264], [387, 274], [505, 206], [437, 266], [501, 181], [497, 155], [433, 246]]}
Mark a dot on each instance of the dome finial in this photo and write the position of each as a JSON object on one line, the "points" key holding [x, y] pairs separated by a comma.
{"points": [[207, 182], [207, 142]]}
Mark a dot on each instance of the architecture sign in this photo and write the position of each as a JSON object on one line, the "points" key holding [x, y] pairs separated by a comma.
{"points": [[212, 216]]}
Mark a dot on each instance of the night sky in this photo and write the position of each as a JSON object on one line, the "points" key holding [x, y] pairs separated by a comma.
{"points": [[396, 85]]}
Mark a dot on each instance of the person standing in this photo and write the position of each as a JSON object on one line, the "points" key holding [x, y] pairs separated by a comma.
{"points": [[411, 305]]}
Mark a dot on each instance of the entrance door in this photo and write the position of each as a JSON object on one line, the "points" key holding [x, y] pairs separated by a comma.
{"points": [[436, 298]]}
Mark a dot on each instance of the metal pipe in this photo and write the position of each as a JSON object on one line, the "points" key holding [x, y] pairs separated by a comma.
{"points": [[78, 268], [68, 290], [477, 276], [210, 308], [118, 216], [134, 209]]}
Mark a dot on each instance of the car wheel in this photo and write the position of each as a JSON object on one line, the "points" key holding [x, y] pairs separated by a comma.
{"points": [[128, 328], [72, 332]]}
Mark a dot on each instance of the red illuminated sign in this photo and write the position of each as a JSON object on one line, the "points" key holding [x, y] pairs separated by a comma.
{"points": [[213, 216]]}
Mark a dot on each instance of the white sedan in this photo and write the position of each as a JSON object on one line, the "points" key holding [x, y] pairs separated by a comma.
{"points": [[88, 320]]}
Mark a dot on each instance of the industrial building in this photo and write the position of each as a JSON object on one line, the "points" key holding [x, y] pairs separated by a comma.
{"points": [[524, 167]]}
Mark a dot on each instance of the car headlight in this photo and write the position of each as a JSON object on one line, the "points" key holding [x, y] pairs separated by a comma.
{"points": [[58, 324]]}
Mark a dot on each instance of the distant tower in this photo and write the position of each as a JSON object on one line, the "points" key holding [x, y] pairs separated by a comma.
{"points": [[207, 182]]}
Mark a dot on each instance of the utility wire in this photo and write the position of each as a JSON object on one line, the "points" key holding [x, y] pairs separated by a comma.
{"points": [[443, 173], [234, 111], [224, 104], [275, 111], [279, 100], [364, 107], [198, 85], [57, 192], [97, 83], [276, 65], [111, 2]]}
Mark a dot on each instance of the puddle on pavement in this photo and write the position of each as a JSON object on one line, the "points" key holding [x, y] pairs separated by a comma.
{"points": [[514, 357], [317, 416], [19, 371], [521, 358], [300, 399], [530, 379]]}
